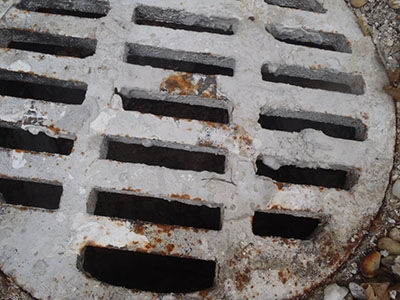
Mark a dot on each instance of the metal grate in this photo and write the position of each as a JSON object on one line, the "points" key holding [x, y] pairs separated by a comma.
{"points": [[213, 150]]}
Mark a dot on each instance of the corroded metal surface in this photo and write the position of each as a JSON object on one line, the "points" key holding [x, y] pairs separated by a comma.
{"points": [[247, 72]]}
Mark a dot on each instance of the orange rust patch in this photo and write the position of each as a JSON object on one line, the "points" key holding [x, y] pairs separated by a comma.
{"points": [[181, 83], [139, 228], [282, 277], [242, 279], [170, 247], [184, 196], [185, 84], [53, 128]]}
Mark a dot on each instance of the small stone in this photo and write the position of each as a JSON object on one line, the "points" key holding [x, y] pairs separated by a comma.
{"points": [[396, 189], [358, 3], [396, 266], [395, 4], [370, 265], [357, 291], [390, 42], [390, 245], [335, 292], [388, 261], [394, 234]]}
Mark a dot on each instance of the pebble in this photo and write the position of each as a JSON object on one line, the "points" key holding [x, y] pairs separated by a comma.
{"points": [[395, 4], [394, 234], [396, 189], [358, 3], [335, 292], [390, 245], [370, 265], [357, 291], [396, 266]]}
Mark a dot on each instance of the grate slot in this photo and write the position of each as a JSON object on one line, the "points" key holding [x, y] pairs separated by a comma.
{"points": [[46, 43], [328, 178], [310, 38], [181, 61], [20, 139], [26, 85], [83, 8], [165, 157], [284, 225], [28, 193], [327, 80], [147, 272], [179, 19], [156, 210], [307, 5], [174, 107], [331, 125]]}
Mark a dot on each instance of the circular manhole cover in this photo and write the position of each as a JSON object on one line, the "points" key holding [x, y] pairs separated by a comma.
{"points": [[224, 150]]}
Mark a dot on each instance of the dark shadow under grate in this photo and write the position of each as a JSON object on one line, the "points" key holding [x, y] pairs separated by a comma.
{"points": [[148, 272]]}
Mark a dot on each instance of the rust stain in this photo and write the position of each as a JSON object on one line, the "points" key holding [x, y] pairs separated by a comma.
{"points": [[139, 228], [184, 196], [185, 84], [170, 247], [282, 277], [242, 279]]}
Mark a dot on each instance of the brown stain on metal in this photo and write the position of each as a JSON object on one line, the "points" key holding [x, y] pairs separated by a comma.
{"points": [[170, 247], [185, 84], [184, 196], [282, 277], [242, 279], [139, 228]]}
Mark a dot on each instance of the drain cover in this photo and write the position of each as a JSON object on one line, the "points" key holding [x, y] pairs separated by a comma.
{"points": [[227, 150]]}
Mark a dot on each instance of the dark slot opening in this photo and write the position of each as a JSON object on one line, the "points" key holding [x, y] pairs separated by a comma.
{"points": [[296, 125], [13, 138], [52, 49], [316, 79], [83, 8], [283, 225], [155, 210], [46, 43], [318, 177], [28, 193], [148, 272], [308, 5], [310, 38], [166, 157], [181, 61], [175, 109], [25, 85], [178, 19]]}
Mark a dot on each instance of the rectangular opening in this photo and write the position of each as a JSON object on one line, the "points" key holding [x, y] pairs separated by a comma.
{"points": [[356, 131], [26, 85], [171, 158], [181, 61], [175, 109], [179, 19], [15, 138], [148, 272], [310, 38], [46, 43], [29, 193], [156, 210], [328, 178], [307, 5], [321, 79], [83, 8], [284, 225]]}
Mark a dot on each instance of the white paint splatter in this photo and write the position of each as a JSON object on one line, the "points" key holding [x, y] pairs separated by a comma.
{"points": [[18, 160], [20, 65]]}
